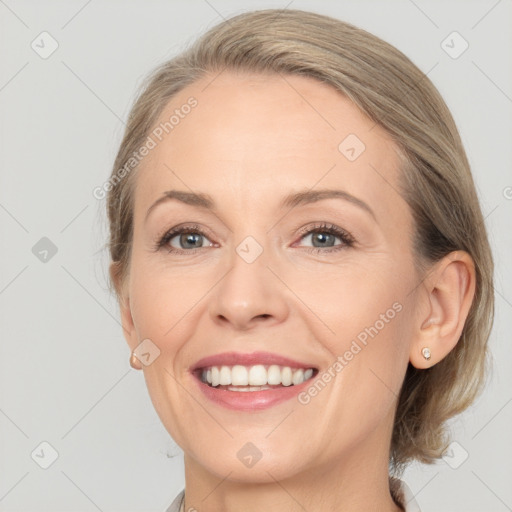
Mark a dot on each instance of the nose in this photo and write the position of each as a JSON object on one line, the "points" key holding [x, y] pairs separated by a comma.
{"points": [[248, 295]]}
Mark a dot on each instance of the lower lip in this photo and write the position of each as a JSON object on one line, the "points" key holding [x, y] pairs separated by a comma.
{"points": [[251, 400]]}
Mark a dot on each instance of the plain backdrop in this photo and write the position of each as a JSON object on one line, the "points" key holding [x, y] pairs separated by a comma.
{"points": [[65, 380]]}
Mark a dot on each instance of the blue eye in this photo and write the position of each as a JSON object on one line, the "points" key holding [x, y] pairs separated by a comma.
{"points": [[183, 239], [188, 240], [324, 236], [322, 239]]}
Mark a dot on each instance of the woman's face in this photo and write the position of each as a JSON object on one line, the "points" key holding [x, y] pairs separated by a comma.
{"points": [[296, 244]]}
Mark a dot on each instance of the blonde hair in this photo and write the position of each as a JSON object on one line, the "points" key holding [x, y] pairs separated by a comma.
{"points": [[435, 178]]}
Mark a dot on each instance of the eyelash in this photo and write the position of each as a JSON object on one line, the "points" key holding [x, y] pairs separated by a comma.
{"points": [[346, 238]]}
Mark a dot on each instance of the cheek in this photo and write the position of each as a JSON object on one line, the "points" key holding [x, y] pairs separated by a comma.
{"points": [[369, 360], [166, 298], [364, 313], [351, 295]]}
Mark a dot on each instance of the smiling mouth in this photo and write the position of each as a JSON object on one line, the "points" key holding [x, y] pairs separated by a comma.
{"points": [[253, 378]]}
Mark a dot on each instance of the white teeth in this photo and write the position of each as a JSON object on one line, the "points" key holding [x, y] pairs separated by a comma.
{"points": [[286, 376], [252, 388], [215, 376], [239, 376], [256, 377], [274, 375], [298, 377], [225, 376]]}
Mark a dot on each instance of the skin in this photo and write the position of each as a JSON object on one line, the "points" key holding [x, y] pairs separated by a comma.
{"points": [[250, 141]]}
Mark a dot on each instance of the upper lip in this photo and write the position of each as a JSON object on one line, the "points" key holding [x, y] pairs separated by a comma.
{"points": [[239, 358]]}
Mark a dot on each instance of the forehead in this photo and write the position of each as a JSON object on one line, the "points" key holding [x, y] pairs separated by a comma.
{"points": [[251, 138]]}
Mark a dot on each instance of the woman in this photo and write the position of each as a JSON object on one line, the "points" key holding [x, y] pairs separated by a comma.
{"points": [[301, 263]]}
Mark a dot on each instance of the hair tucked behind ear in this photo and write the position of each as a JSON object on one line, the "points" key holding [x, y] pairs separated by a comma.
{"points": [[435, 178]]}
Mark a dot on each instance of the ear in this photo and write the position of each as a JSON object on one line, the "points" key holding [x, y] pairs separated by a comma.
{"points": [[129, 331], [446, 298]]}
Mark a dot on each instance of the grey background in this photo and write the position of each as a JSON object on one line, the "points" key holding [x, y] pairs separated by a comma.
{"points": [[64, 372]]}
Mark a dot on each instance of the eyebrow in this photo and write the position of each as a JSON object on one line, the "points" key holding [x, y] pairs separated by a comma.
{"points": [[290, 201]]}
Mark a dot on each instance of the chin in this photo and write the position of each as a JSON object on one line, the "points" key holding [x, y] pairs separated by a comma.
{"points": [[242, 469]]}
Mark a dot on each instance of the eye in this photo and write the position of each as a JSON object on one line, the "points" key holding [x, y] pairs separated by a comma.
{"points": [[187, 241], [327, 236], [319, 238], [183, 239]]}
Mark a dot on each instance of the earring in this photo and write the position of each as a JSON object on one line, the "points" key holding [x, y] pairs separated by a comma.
{"points": [[426, 353], [134, 362]]}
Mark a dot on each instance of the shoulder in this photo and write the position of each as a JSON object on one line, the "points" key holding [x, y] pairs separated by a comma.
{"points": [[176, 504], [403, 495]]}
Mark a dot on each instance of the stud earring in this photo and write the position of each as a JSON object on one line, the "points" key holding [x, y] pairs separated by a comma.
{"points": [[426, 353], [134, 362]]}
